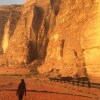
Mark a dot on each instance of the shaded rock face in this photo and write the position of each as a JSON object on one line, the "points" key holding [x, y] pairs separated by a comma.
{"points": [[63, 33]]}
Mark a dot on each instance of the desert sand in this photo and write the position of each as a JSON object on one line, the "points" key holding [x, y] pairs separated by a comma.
{"points": [[40, 88]]}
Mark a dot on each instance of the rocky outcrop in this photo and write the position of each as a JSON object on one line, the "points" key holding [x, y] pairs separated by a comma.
{"points": [[7, 24], [72, 44], [63, 33]]}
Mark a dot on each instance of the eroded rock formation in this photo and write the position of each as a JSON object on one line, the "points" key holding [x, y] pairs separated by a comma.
{"points": [[63, 33]]}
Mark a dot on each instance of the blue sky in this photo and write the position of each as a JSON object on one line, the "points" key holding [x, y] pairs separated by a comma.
{"points": [[8, 2]]}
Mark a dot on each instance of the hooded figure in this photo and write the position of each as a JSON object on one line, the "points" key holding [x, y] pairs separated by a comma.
{"points": [[21, 90]]}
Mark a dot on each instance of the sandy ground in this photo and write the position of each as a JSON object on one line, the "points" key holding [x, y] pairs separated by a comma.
{"points": [[42, 89]]}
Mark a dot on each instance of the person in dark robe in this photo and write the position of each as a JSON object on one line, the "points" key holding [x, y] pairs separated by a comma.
{"points": [[21, 90]]}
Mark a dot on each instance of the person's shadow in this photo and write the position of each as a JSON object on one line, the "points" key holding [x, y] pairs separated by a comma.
{"points": [[21, 90]]}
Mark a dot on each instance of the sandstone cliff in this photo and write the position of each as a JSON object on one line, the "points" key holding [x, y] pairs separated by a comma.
{"points": [[63, 33]]}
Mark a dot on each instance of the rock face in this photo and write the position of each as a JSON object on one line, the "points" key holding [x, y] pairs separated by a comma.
{"points": [[63, 33]]}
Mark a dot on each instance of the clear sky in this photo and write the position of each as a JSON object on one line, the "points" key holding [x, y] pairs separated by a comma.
{"points": [[8, 2]]}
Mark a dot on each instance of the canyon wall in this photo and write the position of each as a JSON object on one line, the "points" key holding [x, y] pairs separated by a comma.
{"points": [[73, 48], [63, 33]]}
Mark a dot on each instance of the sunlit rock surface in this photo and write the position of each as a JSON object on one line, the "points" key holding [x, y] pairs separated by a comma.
{"points": [[63, 33]]}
